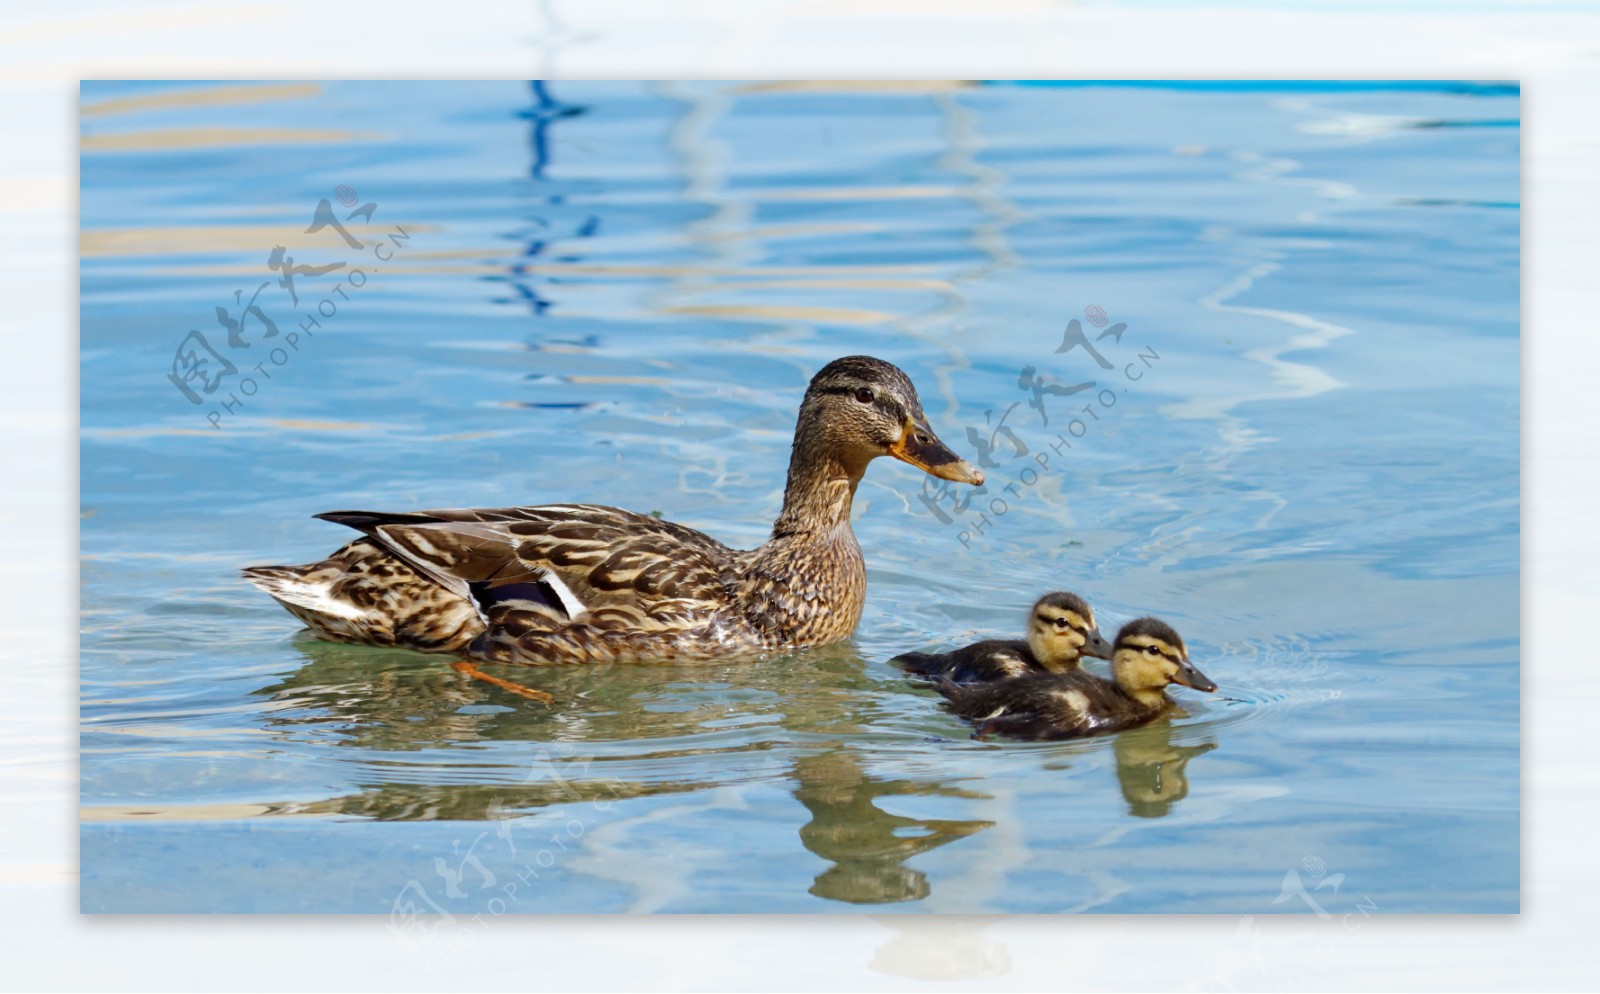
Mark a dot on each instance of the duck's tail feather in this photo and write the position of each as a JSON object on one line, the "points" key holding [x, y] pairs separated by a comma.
{"points": [[301, 589], [384, 606], [284, 583], [307, 593]]}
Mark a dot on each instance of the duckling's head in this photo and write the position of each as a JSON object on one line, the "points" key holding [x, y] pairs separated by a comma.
{"points": [[1062, 629], [858, 408], [1149, 655]]}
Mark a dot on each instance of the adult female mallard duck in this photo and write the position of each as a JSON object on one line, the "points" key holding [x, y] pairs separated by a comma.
{"points": [[1061, 630], [581, 583], [1148, 657]]}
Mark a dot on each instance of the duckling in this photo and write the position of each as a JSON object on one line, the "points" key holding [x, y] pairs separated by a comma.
{"points": [[1061, 629], [1147, 656]]}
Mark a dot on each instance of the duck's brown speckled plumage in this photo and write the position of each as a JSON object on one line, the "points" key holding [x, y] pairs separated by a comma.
{"points": [[580, 583]]}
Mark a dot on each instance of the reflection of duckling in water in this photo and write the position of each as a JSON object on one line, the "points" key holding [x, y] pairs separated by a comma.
{"points": [[1147, 657], [1150, 768], [1061, 630], [866, 845]]}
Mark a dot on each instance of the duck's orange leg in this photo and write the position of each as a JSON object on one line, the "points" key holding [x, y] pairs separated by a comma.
{"points": [[471, 669]]}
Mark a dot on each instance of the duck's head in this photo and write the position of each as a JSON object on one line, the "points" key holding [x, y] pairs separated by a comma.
{"points": [[1149, 655], [1062, 629], [858, 408]]}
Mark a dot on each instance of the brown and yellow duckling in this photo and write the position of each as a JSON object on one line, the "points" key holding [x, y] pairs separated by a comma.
{"points": [[583, 583], [1061, 630], [1148, 657]]}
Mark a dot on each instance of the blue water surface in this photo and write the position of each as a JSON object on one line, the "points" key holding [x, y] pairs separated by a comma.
{"points": [[1300, 446]]}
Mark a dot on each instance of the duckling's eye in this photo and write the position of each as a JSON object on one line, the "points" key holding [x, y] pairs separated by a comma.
{"points": [[1152, 650], [1061, 623], [864, 395]]}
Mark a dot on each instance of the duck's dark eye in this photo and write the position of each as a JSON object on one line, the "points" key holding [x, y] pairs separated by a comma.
{"points": [[864, 395], [1061, 622], [1152, 650]]}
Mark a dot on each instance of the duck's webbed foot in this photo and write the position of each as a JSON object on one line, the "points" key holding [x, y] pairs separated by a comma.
{"points": [[471, 670]]}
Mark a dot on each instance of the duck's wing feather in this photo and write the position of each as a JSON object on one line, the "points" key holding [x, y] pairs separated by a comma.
{"points": [[571, 558]]}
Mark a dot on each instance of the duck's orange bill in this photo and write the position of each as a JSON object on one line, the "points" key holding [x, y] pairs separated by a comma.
{"points": [[920, 447]]}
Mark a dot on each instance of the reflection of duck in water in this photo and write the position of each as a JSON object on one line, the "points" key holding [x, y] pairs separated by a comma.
{"points": [[1147, 658], [624, 733], [393, 699], [1061, 630], [866, 845], [581, 583], [1151, 769], [399, 704]]}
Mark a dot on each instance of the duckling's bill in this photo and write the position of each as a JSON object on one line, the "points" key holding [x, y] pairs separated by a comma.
{"points": [[920, 447], [1189, 676], [1097, 646]]}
